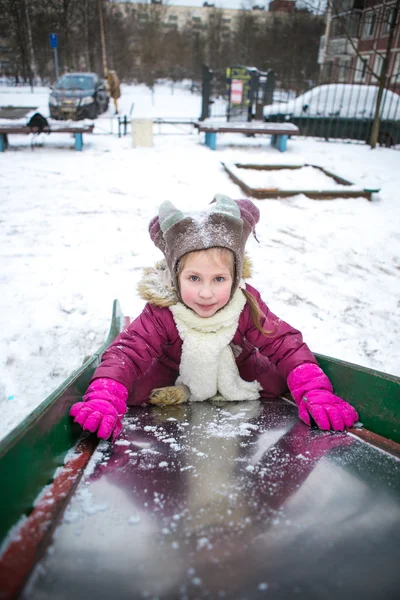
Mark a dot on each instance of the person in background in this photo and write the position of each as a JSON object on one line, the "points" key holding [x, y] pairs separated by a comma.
{"points": [[114, 88], [205, 333]]}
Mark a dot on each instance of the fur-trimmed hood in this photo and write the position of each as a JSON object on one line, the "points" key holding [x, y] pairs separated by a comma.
{"points": [[156, 286]]}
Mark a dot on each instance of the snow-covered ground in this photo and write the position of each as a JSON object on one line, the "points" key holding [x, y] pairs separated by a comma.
{"points": [[74, 237]]}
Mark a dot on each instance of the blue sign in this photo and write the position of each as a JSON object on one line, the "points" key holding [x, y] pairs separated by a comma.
{"points": [[53, 38]]}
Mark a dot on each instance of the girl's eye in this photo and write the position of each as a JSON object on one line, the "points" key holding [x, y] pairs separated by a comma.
{"points": [[220, 279], [193, 278]]}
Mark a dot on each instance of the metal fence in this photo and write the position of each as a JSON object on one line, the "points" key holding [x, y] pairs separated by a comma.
{"points": [[343, 106]]}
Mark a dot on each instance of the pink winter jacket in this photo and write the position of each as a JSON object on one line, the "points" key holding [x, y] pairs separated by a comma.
{"points": [[146, 355]]}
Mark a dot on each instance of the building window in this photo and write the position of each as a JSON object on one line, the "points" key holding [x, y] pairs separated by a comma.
{"points": [[378, 64], [389, 16], [361, 69], [326, 71], [338, 29], [353, 24], [369, 24], [396, 69], [344, 69]]}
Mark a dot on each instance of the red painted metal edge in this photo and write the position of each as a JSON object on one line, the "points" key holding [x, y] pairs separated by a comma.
{"points": [[377, 440], [366, 435], [31, 540]]}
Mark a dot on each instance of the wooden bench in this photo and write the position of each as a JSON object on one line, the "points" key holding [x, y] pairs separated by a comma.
{"points": [[279, 132], [76, 131]]}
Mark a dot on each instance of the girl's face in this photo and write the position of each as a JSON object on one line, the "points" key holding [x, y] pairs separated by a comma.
{"points": [[206, 279]]}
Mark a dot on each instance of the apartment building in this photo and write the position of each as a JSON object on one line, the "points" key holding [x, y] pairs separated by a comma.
{"points": [[198, 17], [357, 34]]}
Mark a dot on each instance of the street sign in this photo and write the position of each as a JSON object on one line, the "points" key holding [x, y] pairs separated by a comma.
{"points": [[236, 91], [53, 38]]}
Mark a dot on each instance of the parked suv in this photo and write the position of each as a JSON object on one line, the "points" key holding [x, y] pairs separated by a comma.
{"points": [[78, 96], [340, 110]]}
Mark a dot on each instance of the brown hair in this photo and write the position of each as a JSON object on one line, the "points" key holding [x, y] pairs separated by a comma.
{"points": [[227, 258], [256, 313]]}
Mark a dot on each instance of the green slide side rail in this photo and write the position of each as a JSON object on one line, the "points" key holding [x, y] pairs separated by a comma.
{"points": [[31, 453], [374, 394]]}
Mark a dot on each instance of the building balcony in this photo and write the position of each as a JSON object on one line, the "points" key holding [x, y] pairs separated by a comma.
{"points": [[341, 46]]}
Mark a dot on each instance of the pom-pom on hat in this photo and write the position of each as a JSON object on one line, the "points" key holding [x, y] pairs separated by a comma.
{"points": [[226, 224]]}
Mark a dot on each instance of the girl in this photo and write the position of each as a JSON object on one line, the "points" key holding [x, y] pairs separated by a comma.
{"points": [[204, 333]]}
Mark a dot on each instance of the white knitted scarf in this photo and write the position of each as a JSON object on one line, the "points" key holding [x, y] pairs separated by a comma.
{"points": [[207, 364]]}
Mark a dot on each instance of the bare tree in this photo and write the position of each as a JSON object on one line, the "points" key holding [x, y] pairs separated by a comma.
{"points": [[14, 15], [384, 75], [348, 24], [32, 61], [287, 44], [150, 47], [144, 43]]}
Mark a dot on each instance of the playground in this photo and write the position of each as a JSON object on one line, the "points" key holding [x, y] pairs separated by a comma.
{"points": [[75, 237], [201, 499]]}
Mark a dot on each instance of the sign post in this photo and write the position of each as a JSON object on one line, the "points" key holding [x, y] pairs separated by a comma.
{"points": [[53, 39]]}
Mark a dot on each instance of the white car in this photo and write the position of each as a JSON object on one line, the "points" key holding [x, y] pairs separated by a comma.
{"points": [[337, 100]]}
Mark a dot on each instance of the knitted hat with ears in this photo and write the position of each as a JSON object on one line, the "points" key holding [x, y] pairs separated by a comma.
{"points": [[227, 224]]}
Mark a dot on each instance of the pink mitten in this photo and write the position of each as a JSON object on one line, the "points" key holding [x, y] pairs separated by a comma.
{"points": [[313, 394], [102, 408]]}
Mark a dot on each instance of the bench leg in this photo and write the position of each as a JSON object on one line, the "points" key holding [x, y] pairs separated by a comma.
{"points": [[211, 140], [78, 141], [281, 142], [273, 141], [3, 142]]}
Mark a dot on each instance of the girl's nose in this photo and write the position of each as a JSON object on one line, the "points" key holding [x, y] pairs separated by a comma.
{"points": [[205, 292]]}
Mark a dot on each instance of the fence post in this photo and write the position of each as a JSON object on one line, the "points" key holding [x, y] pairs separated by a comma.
{"points": [[269, 88], [206, 93]]}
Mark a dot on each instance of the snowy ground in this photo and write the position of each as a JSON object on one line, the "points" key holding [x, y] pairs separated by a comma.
{"points": [[74, 237]]}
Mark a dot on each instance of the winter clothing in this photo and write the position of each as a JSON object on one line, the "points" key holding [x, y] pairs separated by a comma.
{"points": [[114, 88], [172, 394], [102, 408], [170, 354], [313, 393], [207, 364], [114, 85], [148, 354], [228, 224]]}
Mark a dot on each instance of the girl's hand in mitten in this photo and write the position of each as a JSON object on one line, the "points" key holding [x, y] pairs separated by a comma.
{"points": [[102, 409], [173, 394], [313, 393], [327, 410]]}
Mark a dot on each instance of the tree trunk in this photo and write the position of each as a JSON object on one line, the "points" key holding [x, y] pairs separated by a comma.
{"points": [[17, 21], [103, 39], [383, 79], [86, 36], [32, 62]]}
